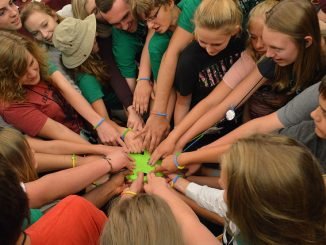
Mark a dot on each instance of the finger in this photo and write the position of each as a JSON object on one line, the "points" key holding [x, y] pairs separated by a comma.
{"points": [[140, 133], [155, 157], [120, 142], [147, 140], [154, 143], [159, 168]]}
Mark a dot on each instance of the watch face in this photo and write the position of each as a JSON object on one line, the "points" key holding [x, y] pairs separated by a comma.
{"points": [[230, 115]]}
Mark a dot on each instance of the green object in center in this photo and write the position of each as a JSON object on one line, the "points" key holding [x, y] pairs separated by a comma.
{"points": [[141, 160]]}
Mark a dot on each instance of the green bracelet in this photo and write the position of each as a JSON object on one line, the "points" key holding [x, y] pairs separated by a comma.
{"points": [[123, 136]]}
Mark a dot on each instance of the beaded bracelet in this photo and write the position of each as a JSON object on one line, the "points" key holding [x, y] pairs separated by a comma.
{"points": [[123, 136], [99, 123], [175, 161]]}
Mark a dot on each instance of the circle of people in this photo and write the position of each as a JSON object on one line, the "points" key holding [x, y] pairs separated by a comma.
{"points": [[230, 95]]}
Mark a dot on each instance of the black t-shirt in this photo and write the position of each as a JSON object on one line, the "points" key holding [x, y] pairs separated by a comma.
{"points": [[198, 73]]}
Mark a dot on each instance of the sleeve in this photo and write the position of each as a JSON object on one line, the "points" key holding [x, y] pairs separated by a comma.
{"points": [[239, 70], [25, 117], [300, 107], [156, 48], [266, 67], [186, 74], [208, 198], [91, 88], [117, 81], [188, 8], [125, 47]]}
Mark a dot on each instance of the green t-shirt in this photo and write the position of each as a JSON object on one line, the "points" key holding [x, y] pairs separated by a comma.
{"points": [[188, 8], [159, 42], [156, 48], [90, 87], [34, 215], [126, 48]]}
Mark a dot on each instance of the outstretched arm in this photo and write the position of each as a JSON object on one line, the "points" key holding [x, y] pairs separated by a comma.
{"points": [[193, 231]]}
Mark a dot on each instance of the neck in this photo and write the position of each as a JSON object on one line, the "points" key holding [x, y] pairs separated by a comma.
{"points": [[175, 15]]}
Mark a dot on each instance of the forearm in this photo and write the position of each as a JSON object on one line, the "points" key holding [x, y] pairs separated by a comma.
{"points": [[75, 99], [187, 220], [182, 107], [59, 184], [207, 155], [262, 125]]}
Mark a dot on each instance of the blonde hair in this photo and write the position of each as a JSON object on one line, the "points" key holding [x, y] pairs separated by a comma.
{"points": [[79, 12], [141, 220], [17, 154], [40, 7], [298, 19], [259, 11], [14, 49], [275, 191], [213, 15]]}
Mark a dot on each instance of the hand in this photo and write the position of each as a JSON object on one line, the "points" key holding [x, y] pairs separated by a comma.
{"points": [[156, 128], [142, 95], [155, 184], [163, 150], [167, 165], [108, 134], [134, 119], [133, 143], [193, 168], [137, 185], [118, 180], [119, 160]]}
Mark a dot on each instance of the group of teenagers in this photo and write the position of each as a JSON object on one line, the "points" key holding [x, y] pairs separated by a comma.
{"points": [[229, 94]]}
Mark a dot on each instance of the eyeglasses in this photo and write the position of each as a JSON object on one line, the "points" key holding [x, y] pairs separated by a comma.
{"points": [[151, 18]]}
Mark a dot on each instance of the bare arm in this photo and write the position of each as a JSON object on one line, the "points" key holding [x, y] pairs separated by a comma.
{"points": [[106, 132], [262, 125], [240, 94], [193, 231], [156, 126], [67, 147], [59, 184], [55, 130]]}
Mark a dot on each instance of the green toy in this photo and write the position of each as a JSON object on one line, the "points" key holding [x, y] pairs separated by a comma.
{"points": [[141, 160]]}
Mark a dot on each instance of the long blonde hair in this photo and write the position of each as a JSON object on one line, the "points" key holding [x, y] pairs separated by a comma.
{"points": [[141, 220], [214, 15], [298, 19], [275, 191], [17, 154], [14, 50], [259, 11]]}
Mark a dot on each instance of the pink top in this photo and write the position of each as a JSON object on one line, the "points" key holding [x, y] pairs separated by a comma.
{"points": [[239, 70]]}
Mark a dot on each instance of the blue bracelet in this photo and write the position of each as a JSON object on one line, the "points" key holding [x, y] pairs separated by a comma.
{"points": [[175, 161], [143, 79], [99, 123], [161, 114], [175, 179]]}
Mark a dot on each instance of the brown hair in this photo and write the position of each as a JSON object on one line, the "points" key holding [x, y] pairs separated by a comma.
{"points": [[322, 87], [17, 154], [32, 7], [275, 191], [141, 8], [141, 220], [14, 49], [298, 19], [105, 5]]}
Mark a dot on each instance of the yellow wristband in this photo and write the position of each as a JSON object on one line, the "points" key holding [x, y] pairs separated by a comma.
{"points": [[129, 193], [74, 160]]}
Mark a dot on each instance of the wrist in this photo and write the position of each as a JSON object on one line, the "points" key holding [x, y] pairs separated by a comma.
{"points": [[108, 162], [124, 133], [176, 161]]}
